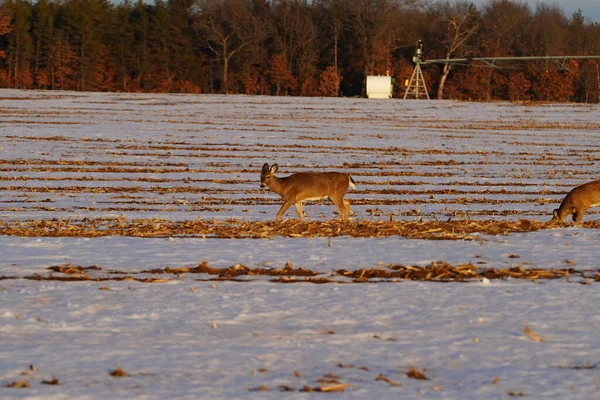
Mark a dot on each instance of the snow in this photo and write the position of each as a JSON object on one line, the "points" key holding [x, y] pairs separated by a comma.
{"points": [[180, 157]]}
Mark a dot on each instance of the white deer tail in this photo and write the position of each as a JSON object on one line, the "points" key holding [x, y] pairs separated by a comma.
{"points": [[351, 182]]}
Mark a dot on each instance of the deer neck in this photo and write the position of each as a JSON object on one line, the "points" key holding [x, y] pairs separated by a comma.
{"points": [[277, 185]]}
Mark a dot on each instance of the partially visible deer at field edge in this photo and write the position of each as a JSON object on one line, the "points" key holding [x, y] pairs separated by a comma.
{"points": [[304, 186], [577, 201]]}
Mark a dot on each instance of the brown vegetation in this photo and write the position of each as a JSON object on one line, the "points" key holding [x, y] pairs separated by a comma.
{"points": [[235, 229], [440, 271], [415, 373], [319, 48], [22, 384], [118, 373]]}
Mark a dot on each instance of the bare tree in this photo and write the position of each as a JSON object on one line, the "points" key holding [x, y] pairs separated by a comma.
{"points": [[330, 21], [458, 24], [226, 27], [503, 33], [550, 30], [5, 18], [379, 29], [296, 39]]}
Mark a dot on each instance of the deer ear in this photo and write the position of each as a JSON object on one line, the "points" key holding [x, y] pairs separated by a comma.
{"points": [[555, 213], [265, 167], [274, 168]]}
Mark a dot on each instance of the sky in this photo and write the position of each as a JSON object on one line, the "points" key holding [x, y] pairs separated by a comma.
{"points": [[590, 8]]}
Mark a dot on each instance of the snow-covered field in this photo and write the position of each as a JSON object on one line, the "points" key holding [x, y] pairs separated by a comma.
{"points": [[89, 156]]}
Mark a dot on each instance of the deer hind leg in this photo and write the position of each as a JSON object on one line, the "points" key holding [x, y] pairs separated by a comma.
{"points": [[347, 204], [283, 209], [342, 205], [299, 210]]}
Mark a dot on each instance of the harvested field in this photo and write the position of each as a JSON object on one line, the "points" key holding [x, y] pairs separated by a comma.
{"points": [[140, 258], [204, 157]]}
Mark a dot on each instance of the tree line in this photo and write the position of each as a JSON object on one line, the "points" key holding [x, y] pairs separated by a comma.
{"points": [[295, 47]]}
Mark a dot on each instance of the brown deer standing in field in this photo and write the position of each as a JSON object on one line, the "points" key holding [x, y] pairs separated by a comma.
{"points": [[304, 186], [577, 201]]}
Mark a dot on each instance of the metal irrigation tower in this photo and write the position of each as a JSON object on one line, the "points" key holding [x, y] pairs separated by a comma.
{"points": [[416, 86]]}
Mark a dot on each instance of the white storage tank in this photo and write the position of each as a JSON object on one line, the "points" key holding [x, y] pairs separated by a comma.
{"points": [[380, 87]]}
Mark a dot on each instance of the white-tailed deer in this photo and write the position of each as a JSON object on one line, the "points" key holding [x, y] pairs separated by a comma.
{"points": [[304, 186], [577, 201]]}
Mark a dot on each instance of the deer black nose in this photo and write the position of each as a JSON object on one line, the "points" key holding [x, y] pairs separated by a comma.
{"points": [[262, 185]]}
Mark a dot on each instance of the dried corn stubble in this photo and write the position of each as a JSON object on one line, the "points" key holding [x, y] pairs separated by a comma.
{"points": [[440, 271], [337, 387], [53, 381], [415, 373], [384, 378], [118, 373], [22, 384], [261, 388], [232, 228], [532, 335]]}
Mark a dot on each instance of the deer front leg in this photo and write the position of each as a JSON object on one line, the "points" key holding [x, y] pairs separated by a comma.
{"points": [[346, 211], [283, 209], [299, 210]]}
